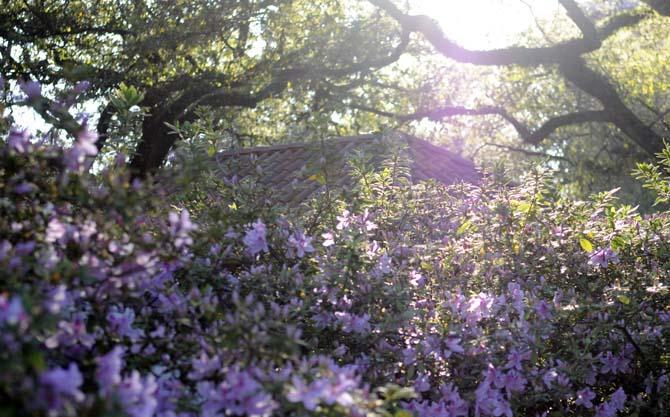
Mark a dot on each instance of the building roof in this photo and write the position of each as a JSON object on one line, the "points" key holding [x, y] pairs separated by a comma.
{"points": [[294, 172]]}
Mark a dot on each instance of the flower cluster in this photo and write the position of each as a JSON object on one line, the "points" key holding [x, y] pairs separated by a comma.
{"points": [[117, 298]]}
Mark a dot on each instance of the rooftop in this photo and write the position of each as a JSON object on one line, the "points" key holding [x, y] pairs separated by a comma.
{"points": [[295, 172]]}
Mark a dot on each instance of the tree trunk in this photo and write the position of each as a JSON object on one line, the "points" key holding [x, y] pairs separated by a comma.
{"points": [[157, 140]]}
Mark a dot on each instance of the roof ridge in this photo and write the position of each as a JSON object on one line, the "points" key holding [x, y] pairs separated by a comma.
{"points": [[452, 156], [293, 145]]}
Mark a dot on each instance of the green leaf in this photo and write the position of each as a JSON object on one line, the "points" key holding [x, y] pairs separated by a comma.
{"points": [[623, 299], [36, 360], [618, 243], [522, 206], [426, 266], [464, 227], [586, 244], [392, 392]]}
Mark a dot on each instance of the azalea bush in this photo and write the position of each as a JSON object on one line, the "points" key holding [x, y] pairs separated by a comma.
{"points": [[121, 298]]}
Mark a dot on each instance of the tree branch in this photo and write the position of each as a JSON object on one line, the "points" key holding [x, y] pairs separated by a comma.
{"points": [[526, 152], [55, 115], [103, 125], [531, 137], [578, 73], [436, 114], [584, 24], [662, 7], [524, 56], [555, 123], [568, 56]]}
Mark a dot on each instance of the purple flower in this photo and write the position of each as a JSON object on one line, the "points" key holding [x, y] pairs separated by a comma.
{"points": [[19, 141], [490, 401], [584, 398], [543, 310], [56, 230], [416, 279], [84, 147], [454, 345], [204, 366], [255, 238], [422, 383], [30, 88], [328, 239], [121, 322], [25, 187], [605, 410], [309, 395], [513, 381], [81, 87], [12, 311], [180, 227], [409, 356], [366, 221], [618, 399], [603, 257], [239, 394], [108, 373], [613, 364], [342, 386], [60, 385], [479, 307], [71, 333], [616, 403], [384, 264], [25, 248], [336, 388], [137, 395], [300, 243], [549, 377], [5, 248], [515, 359], [169, 392], [664, 316], [352, 323], [455, 405], [57, 299], [343, 221], [442, 408]]}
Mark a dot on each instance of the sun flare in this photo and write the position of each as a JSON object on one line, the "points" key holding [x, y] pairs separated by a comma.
{"points": [[486, 24]]}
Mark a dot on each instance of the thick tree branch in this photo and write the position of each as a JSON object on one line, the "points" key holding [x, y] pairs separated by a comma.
{"points": [[157, 139], [103, 125], [567, 55], [53, 113], [532, 137], [584, 24], [524, 56], [555, 123], [662, 7], [578, 73], [524, 151], [436, 114]]}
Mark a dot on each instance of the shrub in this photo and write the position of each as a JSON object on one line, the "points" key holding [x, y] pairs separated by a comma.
{"points": [[470, 300]]}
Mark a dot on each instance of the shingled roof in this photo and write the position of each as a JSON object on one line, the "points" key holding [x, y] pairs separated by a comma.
{"points": [[296, 171]]}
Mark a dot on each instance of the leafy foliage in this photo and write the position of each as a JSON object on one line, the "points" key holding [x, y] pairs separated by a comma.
{"points": [[424, 300]]}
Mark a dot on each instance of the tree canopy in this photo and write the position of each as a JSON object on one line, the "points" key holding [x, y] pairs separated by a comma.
{"points": [[223, 54], [262, 71]]}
